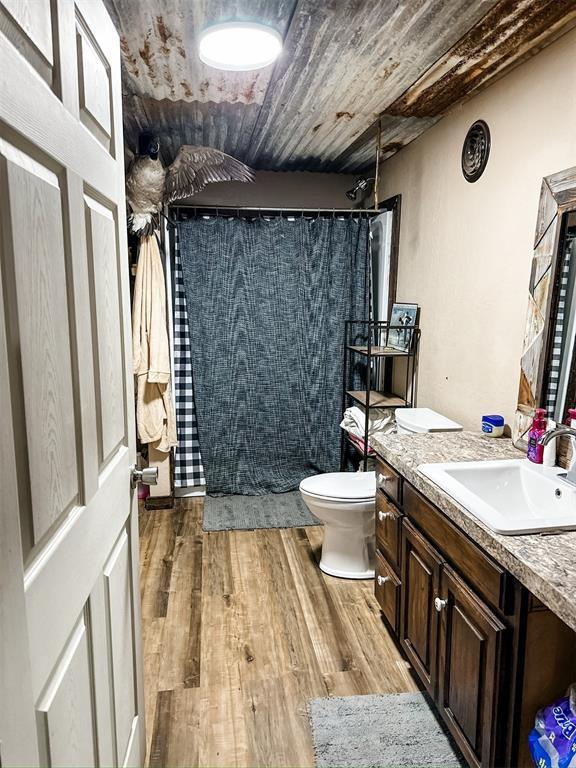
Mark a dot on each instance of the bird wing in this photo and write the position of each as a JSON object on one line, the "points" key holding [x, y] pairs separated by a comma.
{"points": [[195, 167]]}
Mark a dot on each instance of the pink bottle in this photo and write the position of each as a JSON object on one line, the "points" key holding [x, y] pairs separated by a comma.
{"points": [[538, 428]]}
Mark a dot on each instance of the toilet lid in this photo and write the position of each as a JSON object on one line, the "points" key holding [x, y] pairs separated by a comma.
{"points": [[348, 486], [425, 420]]}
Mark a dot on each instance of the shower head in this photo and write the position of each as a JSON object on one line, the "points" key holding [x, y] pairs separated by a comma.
{"points": [[361, 185]]}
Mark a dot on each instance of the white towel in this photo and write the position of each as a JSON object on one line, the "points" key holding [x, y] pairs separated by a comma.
{"points": [[380, 420]]}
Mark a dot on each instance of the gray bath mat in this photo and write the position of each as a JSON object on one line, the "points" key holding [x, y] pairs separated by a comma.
{"points": [[392, 730], [275, 510]]}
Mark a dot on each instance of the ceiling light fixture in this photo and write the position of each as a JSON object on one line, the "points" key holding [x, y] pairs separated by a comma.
{"points": [[239, 46]]}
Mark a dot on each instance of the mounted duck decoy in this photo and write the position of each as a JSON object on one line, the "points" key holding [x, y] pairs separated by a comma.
{"points": [[149, 185]]}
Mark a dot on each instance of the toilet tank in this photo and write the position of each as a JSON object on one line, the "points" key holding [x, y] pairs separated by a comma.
{"points": [[424, 420]]}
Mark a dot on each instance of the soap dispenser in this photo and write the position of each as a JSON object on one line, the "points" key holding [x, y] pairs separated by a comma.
{"points": [[538, 428]]}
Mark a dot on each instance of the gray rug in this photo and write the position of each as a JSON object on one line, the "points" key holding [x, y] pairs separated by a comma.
{"points": [[275, 510], [392, 730]]}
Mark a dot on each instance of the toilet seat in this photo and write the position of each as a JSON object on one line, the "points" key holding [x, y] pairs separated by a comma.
{"points": [[345, 487]]}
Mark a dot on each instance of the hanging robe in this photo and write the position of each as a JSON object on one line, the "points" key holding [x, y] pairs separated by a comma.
{"points": [[154, 408]]}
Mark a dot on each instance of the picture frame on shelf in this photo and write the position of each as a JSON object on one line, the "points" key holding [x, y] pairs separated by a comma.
{"points": [[403, 318]]}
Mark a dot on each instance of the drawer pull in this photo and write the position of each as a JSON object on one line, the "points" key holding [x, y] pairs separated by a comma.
{"points": [[382, 479], [440, 604], [384, 515], [382, 580]]}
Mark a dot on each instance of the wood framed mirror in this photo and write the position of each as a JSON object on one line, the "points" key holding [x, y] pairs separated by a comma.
{"points": [[548, 362]]}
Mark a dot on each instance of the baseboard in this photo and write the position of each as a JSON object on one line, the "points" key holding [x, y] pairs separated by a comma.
{"points": [[190, 490]]}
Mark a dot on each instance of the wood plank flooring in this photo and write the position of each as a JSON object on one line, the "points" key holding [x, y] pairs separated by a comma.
{"points": [[242, 629]]}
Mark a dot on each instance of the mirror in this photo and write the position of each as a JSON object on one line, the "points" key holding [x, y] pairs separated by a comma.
{"points": [[548, 362], [559, 383]]}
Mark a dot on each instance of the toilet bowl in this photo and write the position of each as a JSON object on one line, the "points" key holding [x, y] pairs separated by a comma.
{"points": [[344, 502]]}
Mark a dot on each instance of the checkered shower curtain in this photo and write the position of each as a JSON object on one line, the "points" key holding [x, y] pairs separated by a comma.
{"points": [[188, 469]]}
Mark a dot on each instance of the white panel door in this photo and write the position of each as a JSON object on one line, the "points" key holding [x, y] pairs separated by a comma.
{"points": [[70, 647]]}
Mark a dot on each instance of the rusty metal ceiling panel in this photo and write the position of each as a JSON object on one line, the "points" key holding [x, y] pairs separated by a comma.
{"points": [[510, 31], [344, 64]]}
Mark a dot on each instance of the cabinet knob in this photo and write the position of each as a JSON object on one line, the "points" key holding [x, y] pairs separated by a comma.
{"points": [[440, 604], [382, 580], [382, 479], [384, 515]]}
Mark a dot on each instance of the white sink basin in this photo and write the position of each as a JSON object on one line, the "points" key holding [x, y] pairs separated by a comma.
{"points": [[509, 496]]}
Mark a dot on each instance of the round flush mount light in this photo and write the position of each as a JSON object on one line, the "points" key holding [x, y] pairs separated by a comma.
{"points": [[239, 46]]}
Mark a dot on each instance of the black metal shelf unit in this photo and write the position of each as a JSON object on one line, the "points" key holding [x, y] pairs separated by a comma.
{"points": [[371, 351]]}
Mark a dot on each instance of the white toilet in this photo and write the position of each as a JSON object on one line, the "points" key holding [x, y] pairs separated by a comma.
{"points": [[344, 502]]}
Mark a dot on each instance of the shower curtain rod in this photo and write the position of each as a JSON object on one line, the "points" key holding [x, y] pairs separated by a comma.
{"points": [[238, 208]]}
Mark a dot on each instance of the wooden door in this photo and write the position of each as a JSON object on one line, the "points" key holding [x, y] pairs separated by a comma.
{"points": [[70, 656], [470, 650], [419, 619]]}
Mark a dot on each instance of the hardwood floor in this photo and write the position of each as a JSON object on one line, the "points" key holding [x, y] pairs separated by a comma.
{"points": [[241, 630]]}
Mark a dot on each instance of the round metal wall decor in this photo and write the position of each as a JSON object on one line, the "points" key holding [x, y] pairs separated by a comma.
{"points": [[475, 151]]}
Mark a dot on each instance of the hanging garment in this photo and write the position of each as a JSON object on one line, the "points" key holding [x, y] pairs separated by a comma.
{"points": [[154, 410]]}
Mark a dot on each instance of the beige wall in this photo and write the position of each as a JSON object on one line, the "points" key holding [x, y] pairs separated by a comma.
{"points": [[277, 190], [465, 249]]}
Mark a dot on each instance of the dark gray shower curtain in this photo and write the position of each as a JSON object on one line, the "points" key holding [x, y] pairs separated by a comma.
{"points": [[267, 300]]}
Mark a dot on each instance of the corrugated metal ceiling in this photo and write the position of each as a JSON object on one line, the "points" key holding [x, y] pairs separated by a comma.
{"points": [[344, 64]]}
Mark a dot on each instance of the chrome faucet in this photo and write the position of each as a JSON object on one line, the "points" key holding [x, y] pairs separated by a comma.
{"points": [[562, 431]]}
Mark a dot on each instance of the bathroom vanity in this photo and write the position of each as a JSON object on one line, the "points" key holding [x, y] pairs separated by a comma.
{"points": [[487, 621]]}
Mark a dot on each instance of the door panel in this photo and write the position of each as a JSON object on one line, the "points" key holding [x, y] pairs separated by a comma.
{"points": [[39, 322], [103, 260], [117, 578], [94, 88], [33, 21], [70, 600], [65, 714], [419, 619], [467, 647], [471, 643]]}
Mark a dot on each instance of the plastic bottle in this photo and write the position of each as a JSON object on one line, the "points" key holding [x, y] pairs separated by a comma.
{"points": [[538, 428], [571, 418]]}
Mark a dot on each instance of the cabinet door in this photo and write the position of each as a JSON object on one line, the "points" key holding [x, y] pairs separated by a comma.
{"points": [[470, 649], [419, 619]]}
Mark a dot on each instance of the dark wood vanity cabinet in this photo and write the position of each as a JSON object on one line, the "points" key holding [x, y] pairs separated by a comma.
{"points": [[477, 640]]}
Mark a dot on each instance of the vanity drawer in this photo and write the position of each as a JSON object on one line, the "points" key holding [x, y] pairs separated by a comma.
{"points": [[481, 572], [387, 591], [388, 530], [388, 481]]}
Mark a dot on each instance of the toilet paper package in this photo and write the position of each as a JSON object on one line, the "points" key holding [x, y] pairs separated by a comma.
{"points": [[553, 740]]}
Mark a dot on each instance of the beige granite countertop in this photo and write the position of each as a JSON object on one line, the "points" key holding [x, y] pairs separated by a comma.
{"points": [[544, 563]]}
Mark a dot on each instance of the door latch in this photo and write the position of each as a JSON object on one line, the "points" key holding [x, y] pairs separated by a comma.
{"points": [[146, 476]]}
